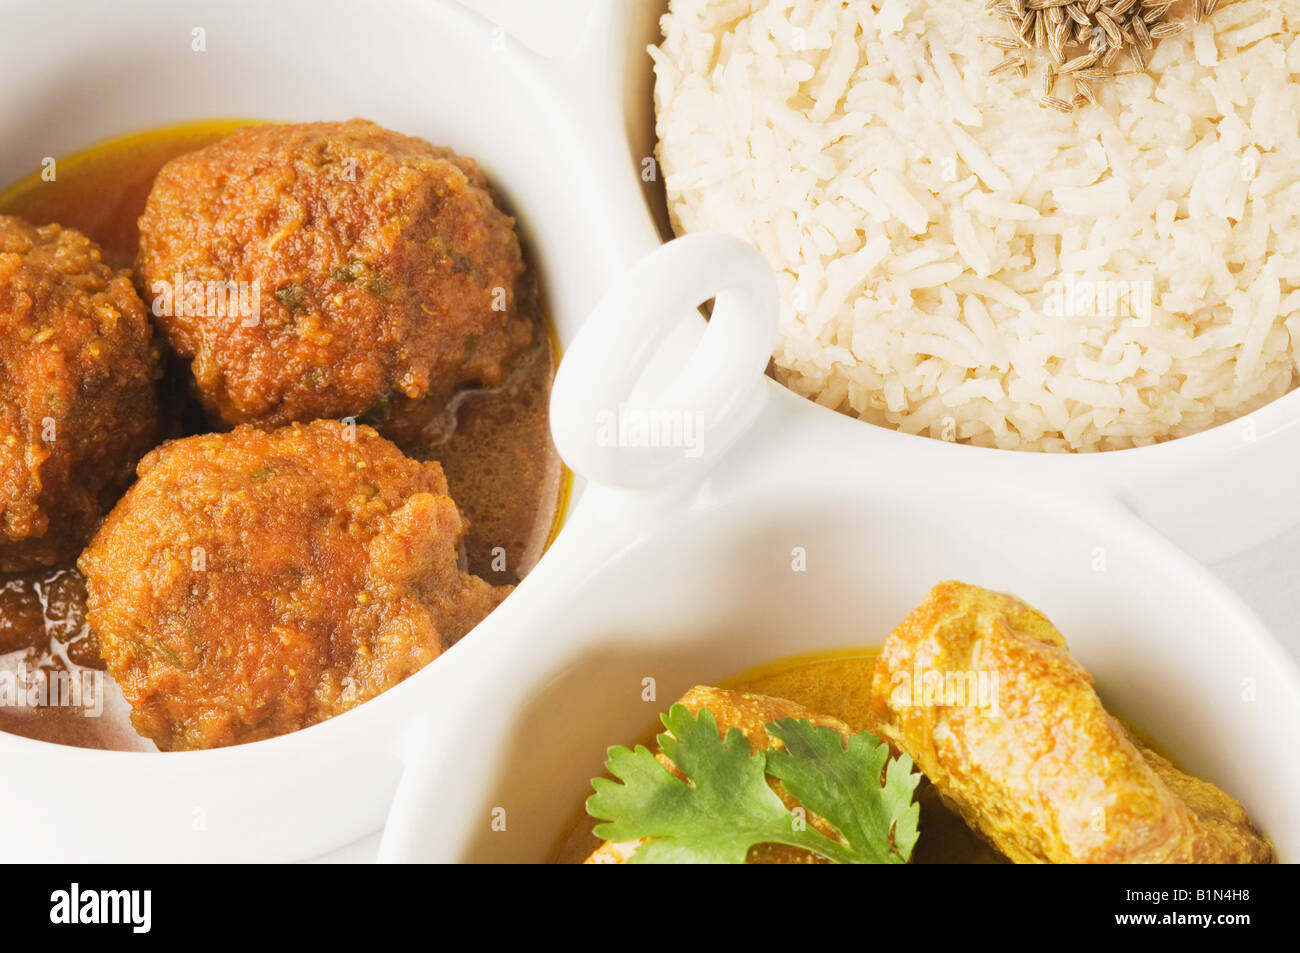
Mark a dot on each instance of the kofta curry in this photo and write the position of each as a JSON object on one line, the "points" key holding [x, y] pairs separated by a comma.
{"points": [[1021, 763], [369, 287]]}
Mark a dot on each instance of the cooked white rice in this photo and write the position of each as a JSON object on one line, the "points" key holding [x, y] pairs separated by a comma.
{"points": [[936, 233]]}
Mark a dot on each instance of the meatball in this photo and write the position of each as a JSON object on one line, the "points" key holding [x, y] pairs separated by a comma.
{"points": [[376, 271], [253, 583], [78, 408]]}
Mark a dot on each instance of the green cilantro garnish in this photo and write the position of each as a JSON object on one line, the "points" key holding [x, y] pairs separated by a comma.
{"points": [[726, 806], [879, 821]]}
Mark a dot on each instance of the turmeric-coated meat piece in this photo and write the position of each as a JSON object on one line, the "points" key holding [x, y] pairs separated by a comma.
{"points": [[980, 689]]}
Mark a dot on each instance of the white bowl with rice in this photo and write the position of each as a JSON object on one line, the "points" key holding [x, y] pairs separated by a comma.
{"points": [[959, 262]]}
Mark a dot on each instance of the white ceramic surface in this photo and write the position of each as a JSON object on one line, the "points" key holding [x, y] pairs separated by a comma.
{"points": [[683, 584], [618, 434]]}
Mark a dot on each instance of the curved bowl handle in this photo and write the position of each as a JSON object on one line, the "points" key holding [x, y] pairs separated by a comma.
{"points": [[612, 433]]}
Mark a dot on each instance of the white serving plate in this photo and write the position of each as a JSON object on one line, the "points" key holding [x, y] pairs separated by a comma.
{"points": [[684, 580]]}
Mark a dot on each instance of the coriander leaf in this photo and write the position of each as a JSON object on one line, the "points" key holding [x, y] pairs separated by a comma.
{"points": [[843, 786], [726, 806], [725, 809]]}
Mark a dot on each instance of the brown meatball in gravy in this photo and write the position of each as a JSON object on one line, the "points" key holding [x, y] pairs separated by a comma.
{"points": [[333, 270], [77, 405], [253, 583]]}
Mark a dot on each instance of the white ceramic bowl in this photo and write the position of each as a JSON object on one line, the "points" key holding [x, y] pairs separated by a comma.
{"points": [[1216, 493], [707, 591], [685, 577], [76, 75], [789, 534]]}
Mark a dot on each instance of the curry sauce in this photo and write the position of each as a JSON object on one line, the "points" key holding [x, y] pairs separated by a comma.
{"points": [[839, 685], [494, 445]]}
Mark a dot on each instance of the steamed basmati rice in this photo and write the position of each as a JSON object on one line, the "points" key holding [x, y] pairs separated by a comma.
{"points": [[956, 260]]}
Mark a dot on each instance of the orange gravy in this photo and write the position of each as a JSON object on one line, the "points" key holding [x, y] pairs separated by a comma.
{"points": [[496, 451]]}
